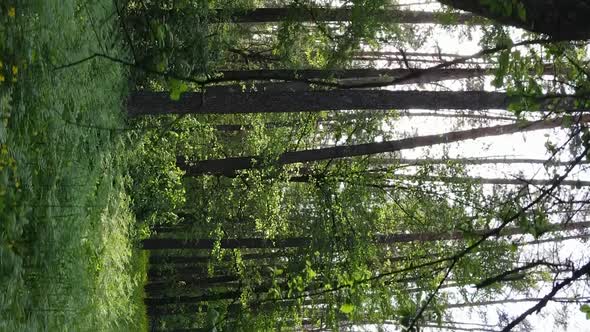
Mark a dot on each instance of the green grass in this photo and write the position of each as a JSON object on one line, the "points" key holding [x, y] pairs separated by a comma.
{"points": [[67, 257]]}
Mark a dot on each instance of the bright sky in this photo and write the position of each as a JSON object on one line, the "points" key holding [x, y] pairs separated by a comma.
{"points": [[527, 145]]}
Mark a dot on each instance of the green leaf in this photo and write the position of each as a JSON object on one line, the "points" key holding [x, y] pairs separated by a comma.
{"points": [[160, 33], [177, 87], [212, 317], [162, 63], [585, 309], [347, 308]]}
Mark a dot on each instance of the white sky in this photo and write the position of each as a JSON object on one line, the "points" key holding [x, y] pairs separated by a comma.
{"points": [[526, 145]]}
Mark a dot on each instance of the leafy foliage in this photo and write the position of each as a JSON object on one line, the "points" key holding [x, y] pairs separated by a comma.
{"points": [[66, 257]]}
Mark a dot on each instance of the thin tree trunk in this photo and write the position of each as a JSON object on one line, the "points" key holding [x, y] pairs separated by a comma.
{"points": [[473, 161], [315, 74], [455, 328], [159, 259], [445, 179], [360, 117], [459, 115], [153, 286], [494, 181], [163, 243], [354, 77], [230, 166], [151, 301], [506, 301], [172, 273], [408, 55]]}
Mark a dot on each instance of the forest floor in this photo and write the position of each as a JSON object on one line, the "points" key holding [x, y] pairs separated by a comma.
{"points": [[67, 236]]}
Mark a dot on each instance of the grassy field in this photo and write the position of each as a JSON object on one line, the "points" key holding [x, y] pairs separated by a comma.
{"points": [[67, 257]]}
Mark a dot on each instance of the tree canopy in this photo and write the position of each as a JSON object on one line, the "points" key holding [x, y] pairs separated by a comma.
{"points": [[282, 192]]}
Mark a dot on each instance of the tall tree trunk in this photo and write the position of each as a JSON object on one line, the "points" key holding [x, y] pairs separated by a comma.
{"points": [[191, 299], [195, 259], [231, 100], [229, 166], [314, 74], [354, 77], [266, 15], [506, 301], [473, 161], [560, 19], [163, 243], [499, 181], [292, 97], [201, 282], [446, 179], [328, 120], [306, 177]]}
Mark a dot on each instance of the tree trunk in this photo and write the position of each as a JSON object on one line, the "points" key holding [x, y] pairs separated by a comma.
{"points": [[267, 15], [191, 281], [306, 177], [298, 97], [498, 181], [163, 243], [473, 161], [157, 244], [150, 301], [229, 166], [559, 19], [506, 301], [314, 74], [328, 120], [231, 100], [159, 259]]}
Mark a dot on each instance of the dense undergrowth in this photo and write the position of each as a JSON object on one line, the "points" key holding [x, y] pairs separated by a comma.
{"points": [[67, 257]]}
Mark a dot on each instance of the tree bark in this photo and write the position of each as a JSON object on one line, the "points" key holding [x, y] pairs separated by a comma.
{"points": [[506, 301], [191, 299], [192, 281], [296, 97], [267, 15], [229, 166], [314, 74], [163, 243], [474, 161], [559, 19], [230, 127], [493, 181], [498, 181], [159, 259], [231, 100]]}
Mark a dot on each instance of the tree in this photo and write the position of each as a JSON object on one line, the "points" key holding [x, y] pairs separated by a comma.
{"points": [[229, 166], [339, 14], [353, 76], [224, 100], [261, 243], [273, 99], [559, 19]]}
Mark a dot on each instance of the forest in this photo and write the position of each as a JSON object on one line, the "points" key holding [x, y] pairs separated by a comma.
{"points": [[294, 165]]}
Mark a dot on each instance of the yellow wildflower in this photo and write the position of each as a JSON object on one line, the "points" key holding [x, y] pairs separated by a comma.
{"points": [[1, 78], [11, 12], [14, 70]]}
